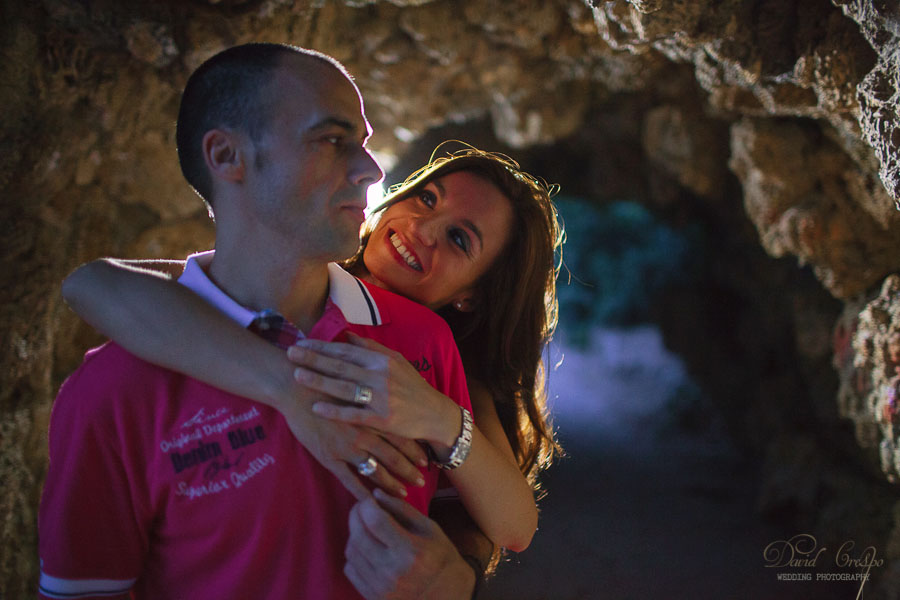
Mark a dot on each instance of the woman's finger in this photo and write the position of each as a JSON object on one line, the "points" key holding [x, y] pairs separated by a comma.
{"points": [[347, 414], [336, 388], [393, 460], [391, 465], [383, 479], [411, 449], [369, 344], [341, 368], [356, 355]]}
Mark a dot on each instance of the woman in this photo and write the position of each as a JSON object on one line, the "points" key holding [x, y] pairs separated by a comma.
{"points": [[468, 235]]}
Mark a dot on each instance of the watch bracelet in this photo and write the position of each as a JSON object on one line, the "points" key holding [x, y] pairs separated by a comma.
{"points": [[461, 447]]}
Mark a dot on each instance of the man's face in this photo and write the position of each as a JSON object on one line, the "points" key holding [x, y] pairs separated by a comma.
{"points": [[308, 172]]}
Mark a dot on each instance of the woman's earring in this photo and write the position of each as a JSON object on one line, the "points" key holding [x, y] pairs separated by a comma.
{"points": [[458, 305]]}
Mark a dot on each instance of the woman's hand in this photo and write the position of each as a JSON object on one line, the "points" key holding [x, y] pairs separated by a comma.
{"points": [[340, 448], [402, 403], [490, 484]]}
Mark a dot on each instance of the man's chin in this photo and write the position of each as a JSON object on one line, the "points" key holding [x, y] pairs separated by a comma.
{"points": [[348, 249]]}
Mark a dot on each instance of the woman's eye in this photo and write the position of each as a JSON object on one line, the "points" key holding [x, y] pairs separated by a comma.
{"points": [[333, 139], [427, 198], [460, 239]]}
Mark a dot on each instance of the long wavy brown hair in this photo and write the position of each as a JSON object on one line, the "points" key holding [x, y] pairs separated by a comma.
{"points": [[503, 339]]}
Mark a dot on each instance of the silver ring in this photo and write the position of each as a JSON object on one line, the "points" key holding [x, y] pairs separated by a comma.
{"points": [[367, 467], [363, 395]]}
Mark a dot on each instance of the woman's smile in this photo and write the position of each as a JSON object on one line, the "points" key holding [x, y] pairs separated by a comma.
{"points": [[404, 253]]}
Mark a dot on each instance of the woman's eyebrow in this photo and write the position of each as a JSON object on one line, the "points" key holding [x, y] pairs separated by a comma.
{"points": [[470, 225]]}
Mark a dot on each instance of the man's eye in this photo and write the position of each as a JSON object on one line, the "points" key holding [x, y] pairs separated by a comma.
{"points": [[333, 139]]}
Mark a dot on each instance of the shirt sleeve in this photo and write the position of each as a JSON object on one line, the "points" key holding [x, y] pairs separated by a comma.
{"points": [[91, 539]]}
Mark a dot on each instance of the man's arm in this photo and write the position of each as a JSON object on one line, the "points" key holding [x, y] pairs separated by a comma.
{"points": [[396, 553]]}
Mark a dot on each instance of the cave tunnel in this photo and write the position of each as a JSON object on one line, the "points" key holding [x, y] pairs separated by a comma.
{"points": [[724, 397]]}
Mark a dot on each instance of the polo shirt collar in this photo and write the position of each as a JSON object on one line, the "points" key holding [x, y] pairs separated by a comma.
{"points": [[352, 297], [348, 293]]}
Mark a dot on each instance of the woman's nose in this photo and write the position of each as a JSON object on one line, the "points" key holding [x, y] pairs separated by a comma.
{"points": [[423, 227]]}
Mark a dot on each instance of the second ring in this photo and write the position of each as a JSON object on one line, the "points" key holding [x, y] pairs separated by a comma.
{"points": [[367, 467]]}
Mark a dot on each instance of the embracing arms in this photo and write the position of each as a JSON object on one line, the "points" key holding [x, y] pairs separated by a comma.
{"points": [[161, 321], [165, 323]]}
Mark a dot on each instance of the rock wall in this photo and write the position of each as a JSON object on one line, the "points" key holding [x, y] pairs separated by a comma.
{"points": [[780, 111]]}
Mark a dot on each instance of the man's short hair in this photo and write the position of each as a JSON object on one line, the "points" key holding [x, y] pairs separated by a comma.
{"points": [[230, 90]]}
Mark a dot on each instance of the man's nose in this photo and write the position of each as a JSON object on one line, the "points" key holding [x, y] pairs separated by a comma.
{"points": [[365, 170]]}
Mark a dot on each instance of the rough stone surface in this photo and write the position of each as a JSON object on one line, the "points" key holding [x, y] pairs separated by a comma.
{"points": [[879, 22], [870, 395], [687, 106], [688, 145], [808, 199]]}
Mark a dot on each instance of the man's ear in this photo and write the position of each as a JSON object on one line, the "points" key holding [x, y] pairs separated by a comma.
{"points": [[224, 155], [464, 302]]}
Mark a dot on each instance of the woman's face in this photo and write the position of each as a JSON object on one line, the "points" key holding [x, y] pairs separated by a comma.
{"points": [[433, 247]]}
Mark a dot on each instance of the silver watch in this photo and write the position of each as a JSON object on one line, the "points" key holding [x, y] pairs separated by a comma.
{"points": [[462, 445]]}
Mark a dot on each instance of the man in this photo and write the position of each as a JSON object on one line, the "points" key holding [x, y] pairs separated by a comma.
{"points": [[160, 486]]}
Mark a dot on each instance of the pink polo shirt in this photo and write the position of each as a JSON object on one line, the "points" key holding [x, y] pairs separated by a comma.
{"points": [[160, 486]]}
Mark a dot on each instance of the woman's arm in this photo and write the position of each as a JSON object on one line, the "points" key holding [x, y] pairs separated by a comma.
{"points": [[163, 322], [490, 484], [153, 317], [450, 513]]}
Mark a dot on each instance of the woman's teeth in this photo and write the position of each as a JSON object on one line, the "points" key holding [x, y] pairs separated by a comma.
{"points": [[409, 258]]}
